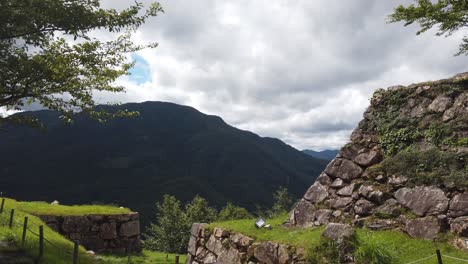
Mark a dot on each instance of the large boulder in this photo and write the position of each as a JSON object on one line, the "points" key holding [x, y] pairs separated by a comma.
{"points": [[363, 207], [459, 205], [423, 200], [283, 254], [343, 169], [323, 179], [214, 245], [338, 232], [304, 214], [426, 228], [266, 252], [341, 202], [241, 240], [368, 158], [316, 193], [347, 190], [322, 216], [231, 256], [459, 106], [440, 103], [459, 226], [197, 229]]}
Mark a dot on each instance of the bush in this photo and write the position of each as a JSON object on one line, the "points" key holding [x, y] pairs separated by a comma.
{"points": [[198, 211], [393, 141], [428, 167], [232, 212], [283, 201], [171, 231], [437, 132]]}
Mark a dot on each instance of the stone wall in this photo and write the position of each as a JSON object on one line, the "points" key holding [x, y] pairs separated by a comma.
{"points": [[346, 191], [224, 247], [100, 233]]}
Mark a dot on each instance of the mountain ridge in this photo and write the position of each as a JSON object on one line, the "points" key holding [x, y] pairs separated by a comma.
{"points": [[327, 154], [168, 148]]}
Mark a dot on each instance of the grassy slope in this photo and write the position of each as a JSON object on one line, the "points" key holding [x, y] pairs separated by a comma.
{"points": [[43, 208], [58, 255], [404, 248], [31, 247]]}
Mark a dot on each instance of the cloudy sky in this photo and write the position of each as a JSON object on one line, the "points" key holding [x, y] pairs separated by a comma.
{"points": [[301, 71]]}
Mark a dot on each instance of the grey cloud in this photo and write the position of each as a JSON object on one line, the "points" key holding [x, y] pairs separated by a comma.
{"points": [[302, 71]]}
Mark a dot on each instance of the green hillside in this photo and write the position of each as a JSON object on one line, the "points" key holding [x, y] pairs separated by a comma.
{"points": [[58, 249]]}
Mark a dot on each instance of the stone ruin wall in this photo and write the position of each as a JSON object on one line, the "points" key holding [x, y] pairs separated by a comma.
{"points": [[117, 234], [345, 193], [222, 246]]}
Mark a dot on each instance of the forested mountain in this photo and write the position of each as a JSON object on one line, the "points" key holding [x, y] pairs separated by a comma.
{"points": [[324, 154], [132, 162]]}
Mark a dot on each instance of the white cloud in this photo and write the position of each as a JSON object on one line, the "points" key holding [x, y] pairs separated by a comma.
{"points": [[302, 71]]}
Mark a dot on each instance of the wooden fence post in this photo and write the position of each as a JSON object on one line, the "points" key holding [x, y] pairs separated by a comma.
{"points": [[41, 242], [25, 227], [75, 252], [439, 257], [12, 214], [3, 204], [177, 259]]}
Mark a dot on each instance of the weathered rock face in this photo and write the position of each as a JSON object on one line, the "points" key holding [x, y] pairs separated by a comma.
{"points": [[224, 247], [423, 200], [343, 169], [100, 233], [353, 188], [426, 228], [459, 205]]}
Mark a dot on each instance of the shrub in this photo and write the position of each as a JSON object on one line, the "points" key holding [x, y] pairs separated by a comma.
{"points": [[283, 201], [437, 132], [428, 167], [170, 233], [232, 212], [393, 141]]}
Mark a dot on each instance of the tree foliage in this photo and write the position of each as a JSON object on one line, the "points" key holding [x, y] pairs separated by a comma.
{"points": [[198, 211], [283, 201], [170, 233], [448, 15], [40, 63], [232, 212]]}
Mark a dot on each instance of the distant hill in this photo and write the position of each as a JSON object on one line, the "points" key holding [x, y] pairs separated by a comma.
{"points": [[324, 154], [169, 149]]}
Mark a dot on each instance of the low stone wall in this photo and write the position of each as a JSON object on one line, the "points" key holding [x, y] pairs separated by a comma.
{"points": [[100, 233], [224, 247]]}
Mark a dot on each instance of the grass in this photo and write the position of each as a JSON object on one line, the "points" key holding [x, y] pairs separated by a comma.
{"points": [[56, 255], [43, 208], [295, 237], [145, 257], [393, 245]]}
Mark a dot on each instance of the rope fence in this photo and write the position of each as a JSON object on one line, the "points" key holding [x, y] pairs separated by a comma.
{"points": [[28, 229]]}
